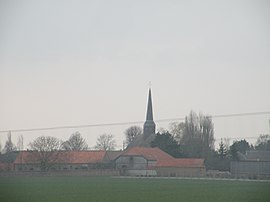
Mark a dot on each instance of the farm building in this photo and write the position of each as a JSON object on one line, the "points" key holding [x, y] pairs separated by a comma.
{"points": [[135, 161], [62, 160], [142, 161], [255, 164]]}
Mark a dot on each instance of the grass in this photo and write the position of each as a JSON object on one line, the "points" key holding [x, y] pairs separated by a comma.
{"points": [[104, 189]]}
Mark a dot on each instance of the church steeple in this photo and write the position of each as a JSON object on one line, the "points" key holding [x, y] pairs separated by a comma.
{"points": [[149, 113], [149, 126]]}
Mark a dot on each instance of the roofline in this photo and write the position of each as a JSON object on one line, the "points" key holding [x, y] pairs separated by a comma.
{"points": [[137, 155]]}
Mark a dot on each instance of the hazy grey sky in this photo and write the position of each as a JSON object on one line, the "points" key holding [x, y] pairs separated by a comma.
{"points": [[84, 62]]}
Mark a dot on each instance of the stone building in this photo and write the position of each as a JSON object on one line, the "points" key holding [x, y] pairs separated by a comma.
{"points": [[145, 161]]}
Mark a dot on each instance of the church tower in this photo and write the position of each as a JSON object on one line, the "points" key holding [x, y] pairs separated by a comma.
{"points": [[149, 126]]}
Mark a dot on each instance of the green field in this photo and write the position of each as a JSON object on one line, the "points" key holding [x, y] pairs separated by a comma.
{"points": [[129, 189]]}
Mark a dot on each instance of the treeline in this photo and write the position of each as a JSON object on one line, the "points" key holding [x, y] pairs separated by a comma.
{"points": [[48, 143], [50, 148]]}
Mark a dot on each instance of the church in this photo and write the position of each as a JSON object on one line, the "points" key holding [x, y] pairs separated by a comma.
{"points": [[149, 127]]}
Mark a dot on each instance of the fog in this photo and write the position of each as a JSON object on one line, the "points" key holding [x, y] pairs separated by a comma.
{"points": [[90, 62]]}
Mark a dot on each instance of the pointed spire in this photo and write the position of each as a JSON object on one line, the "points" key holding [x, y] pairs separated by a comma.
{"points": [[149, 113], [149, 126]]}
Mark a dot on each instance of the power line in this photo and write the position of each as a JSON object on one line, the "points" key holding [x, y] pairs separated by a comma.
{"points": [[237, 138], [73, 126], [220, 116], [128, 123]]}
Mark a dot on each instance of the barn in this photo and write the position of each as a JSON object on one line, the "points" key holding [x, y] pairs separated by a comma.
{"points": [[145, 161]]}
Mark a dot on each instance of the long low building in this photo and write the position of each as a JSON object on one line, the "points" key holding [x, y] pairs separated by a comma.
{"points": [[61, 160], [135, 161]]}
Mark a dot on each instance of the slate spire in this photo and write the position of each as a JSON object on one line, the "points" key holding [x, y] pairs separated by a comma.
{"points": [[149, 113], [149, 126]]}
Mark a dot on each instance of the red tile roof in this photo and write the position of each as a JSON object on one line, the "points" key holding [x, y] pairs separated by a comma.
{"points": [[85, 156], [26, 157], [149, 153], [162, 158], [70, 157]]}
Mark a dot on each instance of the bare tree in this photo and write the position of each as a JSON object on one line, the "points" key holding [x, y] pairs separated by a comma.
{"points": [[131, 133], [177, 129], [9, 146], [47, 151], [75, 143], [8, 149], [105, 142], [20, 143], [198, 135], [207, 131]]}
